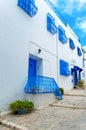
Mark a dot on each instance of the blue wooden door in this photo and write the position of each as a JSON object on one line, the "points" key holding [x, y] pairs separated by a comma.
{"points": [[75, 77], [32, 67]]}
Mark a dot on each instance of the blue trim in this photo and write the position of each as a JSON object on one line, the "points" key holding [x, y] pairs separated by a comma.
{"points": [[71, 44], [75, 71], [41, 85], [32, 67], [83, 62], [75, 75], [72, 70], [56, 12], [79, 51], [64, 68], [61, 35], [28, 6], [51, 27]]}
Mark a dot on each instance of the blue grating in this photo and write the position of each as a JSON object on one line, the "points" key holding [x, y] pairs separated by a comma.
{"points": [[61, 29], [41, 85], [50, 19], [71, 44], [28, 6], [63, 38], [64, 68], [51, 27], [79, 51], [56, 11], [61, 35], [33, 1]]}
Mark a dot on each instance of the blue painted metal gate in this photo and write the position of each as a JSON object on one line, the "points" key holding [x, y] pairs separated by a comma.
{"points": [[41, 85]]}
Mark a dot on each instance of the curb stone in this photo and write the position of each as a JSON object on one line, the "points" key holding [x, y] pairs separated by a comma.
{"points": [[14, 126], [74, 95], [68, 106]]}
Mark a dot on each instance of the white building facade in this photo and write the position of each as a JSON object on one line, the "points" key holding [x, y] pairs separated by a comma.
{"points": [[35, 42], [84, 66]]}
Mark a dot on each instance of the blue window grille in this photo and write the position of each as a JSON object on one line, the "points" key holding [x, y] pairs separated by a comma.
{"points": [[56, 11], [64, 68], [79, 51], [71, 44], [61, 35], [28, 6], [41, 85], [51, 27]]}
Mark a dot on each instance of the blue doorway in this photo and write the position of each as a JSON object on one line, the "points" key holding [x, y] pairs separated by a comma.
{"points": [[32, 67], [76, 72], [75, 78]]}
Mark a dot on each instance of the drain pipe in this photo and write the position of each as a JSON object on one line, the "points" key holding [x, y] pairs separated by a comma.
{"points": [[57, 56]]}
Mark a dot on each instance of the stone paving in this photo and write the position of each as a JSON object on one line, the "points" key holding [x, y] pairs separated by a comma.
{"points": [[78, 102], [2, 127], [77, 92], [51, 117]]}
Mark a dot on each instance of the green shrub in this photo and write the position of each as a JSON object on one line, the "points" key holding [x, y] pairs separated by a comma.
{"points": [[30, 106], [62, 91], [81, 83], [21, 105]]}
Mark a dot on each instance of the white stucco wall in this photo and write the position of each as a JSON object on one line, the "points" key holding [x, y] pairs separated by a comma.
{"points": [[17, 28], [84, 56], [21, 36], [70, 56], [84, 69]]}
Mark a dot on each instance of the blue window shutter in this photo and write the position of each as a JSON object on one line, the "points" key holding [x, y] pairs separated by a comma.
{"points": [[61, 35], [51, 27], [28, 6], [64, 68], [79, 51], [71, 44]]}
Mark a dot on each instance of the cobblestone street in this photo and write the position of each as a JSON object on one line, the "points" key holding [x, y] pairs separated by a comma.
{"points": [[51, 117]]}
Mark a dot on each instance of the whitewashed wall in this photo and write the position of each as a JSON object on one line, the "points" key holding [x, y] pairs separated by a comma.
{"points": [[18, 33], [84, 69], [70, 56], [17, 28]]}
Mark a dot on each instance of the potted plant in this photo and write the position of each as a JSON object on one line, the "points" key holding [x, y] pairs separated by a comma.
{"points": [[81, 84], [21, 107], [62, 91], [30, 106]]}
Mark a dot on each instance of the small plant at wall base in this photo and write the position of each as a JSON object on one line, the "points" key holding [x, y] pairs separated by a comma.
{"points": [[75, 86], [81, 84], [21, 107], [62, 91]]}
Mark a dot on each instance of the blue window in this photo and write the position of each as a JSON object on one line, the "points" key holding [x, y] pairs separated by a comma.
{"points": [[64, 68], [61, 35], [79, 51], [28, 6], [51, 27], [71, 44], [56, 11]]}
